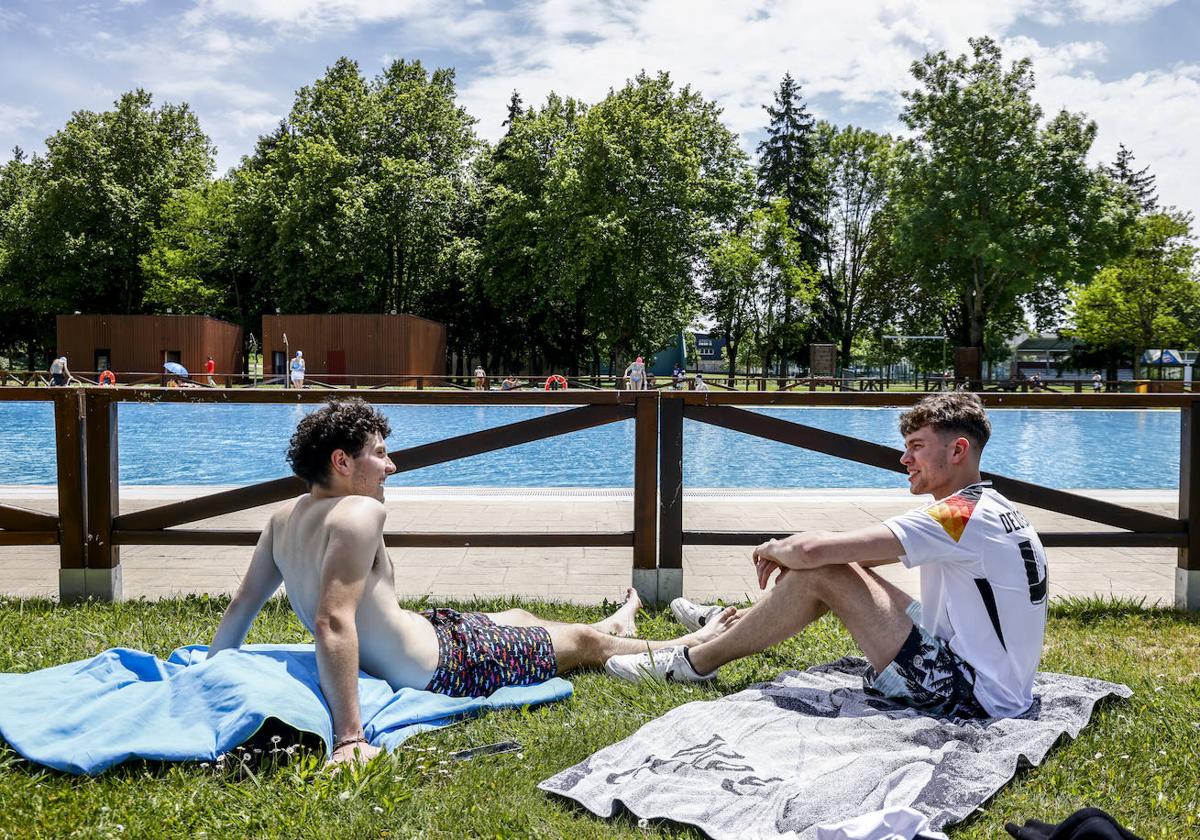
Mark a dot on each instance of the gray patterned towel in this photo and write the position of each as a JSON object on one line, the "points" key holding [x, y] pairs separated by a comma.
{"points": [[781, 758]]}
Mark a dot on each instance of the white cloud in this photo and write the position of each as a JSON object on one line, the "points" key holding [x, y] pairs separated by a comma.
{"points": [[1116, 11], [13, 118], [313, 15], [1156, 115]]}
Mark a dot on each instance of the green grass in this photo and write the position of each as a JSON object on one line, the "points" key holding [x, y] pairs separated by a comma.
{"points": [[1139, 759]]}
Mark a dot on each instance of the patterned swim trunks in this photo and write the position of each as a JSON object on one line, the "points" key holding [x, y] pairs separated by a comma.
{"points": [[928, 676], [476, 656]]}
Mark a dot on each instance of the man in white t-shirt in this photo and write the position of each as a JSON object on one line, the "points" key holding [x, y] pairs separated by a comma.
{"points": [[968, 648]]}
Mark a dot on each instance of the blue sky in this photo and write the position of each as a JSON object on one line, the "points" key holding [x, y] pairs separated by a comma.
{"points": [[1131, 65]]}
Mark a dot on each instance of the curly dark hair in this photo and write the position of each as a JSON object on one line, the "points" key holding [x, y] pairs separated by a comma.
{"points": [[339, 424], [959, 412]]}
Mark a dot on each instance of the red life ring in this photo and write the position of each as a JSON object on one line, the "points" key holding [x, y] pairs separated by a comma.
{"points": [[107, 377], [559, 383]]}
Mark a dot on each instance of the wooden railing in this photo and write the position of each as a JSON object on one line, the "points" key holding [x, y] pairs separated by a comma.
{"points": [[89, 528]]}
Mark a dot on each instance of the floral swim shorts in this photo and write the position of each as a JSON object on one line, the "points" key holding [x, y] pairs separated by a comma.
{"points": [[928, 676], [476, 656]]}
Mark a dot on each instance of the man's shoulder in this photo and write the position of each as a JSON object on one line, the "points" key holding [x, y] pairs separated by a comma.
{"points": [[356, 513]]}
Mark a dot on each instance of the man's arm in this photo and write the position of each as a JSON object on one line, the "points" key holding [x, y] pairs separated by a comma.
{"points": [[259, 584], [874, 545], [355, 528]]}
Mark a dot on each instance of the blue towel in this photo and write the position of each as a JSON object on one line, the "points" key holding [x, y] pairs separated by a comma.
{"points": [[87, 716]]}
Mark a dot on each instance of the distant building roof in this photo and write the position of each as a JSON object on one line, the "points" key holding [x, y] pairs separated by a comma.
{"points": [[1049, 342]]}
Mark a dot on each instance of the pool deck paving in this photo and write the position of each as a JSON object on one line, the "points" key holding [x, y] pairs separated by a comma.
{"points": [[581, 575]]}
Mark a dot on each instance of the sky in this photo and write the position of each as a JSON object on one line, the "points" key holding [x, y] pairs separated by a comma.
{"points": [[1133, 66]]}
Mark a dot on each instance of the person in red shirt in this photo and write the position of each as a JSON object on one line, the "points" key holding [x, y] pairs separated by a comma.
{"points": [[210, 367]]}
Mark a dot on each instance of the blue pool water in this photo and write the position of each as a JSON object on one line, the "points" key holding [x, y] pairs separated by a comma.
{"points": [[239, 444]]}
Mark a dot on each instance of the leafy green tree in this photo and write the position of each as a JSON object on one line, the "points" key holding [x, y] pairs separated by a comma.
{"points": [[857, 265], [107, 178], [991, 205], [357, 193], [1139, 181], [1149, 298], [191, 256], [785, 285], [643, 185], [522, 241], [26, 316], [731, 282]]}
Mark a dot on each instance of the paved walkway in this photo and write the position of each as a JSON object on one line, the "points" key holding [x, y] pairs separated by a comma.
{"points": [[581, 575]]}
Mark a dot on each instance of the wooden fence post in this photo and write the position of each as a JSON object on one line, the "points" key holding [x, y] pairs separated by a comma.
{"points": [[645, 496], [670, 518], [69, 424], [103, 578], [1187, 572]]}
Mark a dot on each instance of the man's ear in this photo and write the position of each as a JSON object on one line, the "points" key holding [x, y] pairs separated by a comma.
{"points": [[340, 461], [962, 448]]}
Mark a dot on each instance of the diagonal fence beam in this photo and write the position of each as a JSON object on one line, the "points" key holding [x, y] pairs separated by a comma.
{"points": [[425, 455], [13, 518], [884, 457]]}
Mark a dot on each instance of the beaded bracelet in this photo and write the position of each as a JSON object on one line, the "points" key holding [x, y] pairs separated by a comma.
{"points": [[345, 742]]}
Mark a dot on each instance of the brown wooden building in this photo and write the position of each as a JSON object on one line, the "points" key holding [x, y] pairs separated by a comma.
{"points": [[142, 343], [372, 345]]}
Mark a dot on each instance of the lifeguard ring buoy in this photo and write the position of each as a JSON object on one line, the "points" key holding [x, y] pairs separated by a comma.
{"points": [[107, 377], [556, 382]]}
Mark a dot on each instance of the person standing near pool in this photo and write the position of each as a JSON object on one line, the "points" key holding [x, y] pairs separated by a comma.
{"points": [[327, 548], [210, 368], [968, 648], [636, 374], [298, 369], [59, 373]]}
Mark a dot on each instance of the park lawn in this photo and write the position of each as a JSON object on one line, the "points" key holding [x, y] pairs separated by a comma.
{"points": [[1139, 759]]}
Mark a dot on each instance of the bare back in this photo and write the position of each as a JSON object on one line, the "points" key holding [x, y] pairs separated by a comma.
{"points": [[394, 644]]}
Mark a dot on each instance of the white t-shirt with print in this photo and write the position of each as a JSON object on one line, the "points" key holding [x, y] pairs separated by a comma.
{"points": [[983, 589]]}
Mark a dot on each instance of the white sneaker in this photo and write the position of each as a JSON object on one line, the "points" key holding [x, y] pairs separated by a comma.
{"points": [[664, 665], [693, 616]]}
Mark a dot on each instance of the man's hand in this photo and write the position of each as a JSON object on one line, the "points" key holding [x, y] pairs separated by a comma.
{"points": [[794, 552], [356, 751], [765, 568]]}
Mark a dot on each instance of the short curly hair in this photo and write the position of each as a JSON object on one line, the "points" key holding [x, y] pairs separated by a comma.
{"points": [[339, 424], [959, 412]]}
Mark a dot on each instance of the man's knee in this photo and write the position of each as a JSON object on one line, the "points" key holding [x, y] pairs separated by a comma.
{"points": [[584, 644], [825, 583]]}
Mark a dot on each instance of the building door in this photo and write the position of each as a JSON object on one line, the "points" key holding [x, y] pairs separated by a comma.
{"points": [[173, 356], [335, 361], [102, 360], [278, 363]]}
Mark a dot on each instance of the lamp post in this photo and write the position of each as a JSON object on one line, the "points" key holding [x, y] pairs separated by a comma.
{"points": [[287, 355]]}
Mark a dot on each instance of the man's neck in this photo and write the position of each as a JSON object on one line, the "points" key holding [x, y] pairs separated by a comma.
{"points": [[952, 487]]}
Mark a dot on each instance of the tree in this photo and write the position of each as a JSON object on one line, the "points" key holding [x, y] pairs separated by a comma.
{"points": [[730, 285], [643, 185], [25, 314], [356, 202], [107, 178], [522, 239], [1140, 182], [789, 168], [991, 205], [857, 267], [1149, 298]]}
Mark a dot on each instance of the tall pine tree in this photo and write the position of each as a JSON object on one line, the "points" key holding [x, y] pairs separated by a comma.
{"points": [[788, 169], [1140, 182], [787, 166]]}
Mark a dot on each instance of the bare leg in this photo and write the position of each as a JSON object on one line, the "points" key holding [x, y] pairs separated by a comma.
{"points": [[583, 646], [871, 609], [620, 623]]}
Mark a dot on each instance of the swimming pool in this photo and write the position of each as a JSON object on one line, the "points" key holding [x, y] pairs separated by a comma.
{"points": [[179, 443]]}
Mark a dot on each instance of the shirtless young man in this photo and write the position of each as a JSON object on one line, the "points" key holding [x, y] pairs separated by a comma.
{"points": [[327, 548], [968, 648]]}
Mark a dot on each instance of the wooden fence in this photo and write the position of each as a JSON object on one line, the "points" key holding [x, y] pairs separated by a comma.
{"points": [[90, 529]]}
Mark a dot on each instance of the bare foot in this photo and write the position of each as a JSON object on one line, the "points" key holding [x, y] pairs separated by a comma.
{"points": [[715, 626], [622, 622]]}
